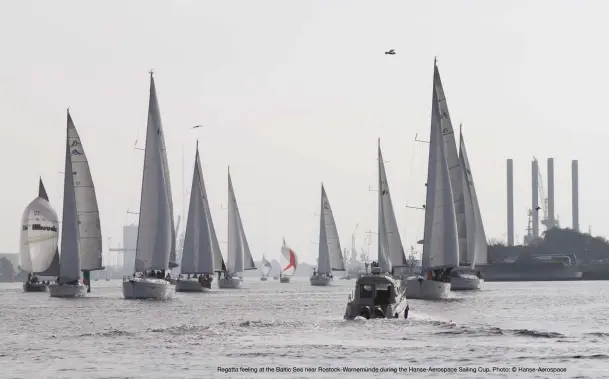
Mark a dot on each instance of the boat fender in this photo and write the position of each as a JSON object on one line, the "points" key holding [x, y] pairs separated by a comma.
{"points": [[406, 312]]}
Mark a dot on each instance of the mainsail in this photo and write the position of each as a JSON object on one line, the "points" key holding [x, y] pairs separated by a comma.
{"points": [[156, 234], [330, 253], [197, 254], [440, 240], [38, 251], [390, 243], [69, 260], [90, 238], [454, 167]]}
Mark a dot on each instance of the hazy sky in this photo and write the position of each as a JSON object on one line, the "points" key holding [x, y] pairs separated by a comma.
{"points": [[293, 93]]}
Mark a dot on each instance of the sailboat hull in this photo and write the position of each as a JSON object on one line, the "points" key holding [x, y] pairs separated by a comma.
{"points": [[320, 280], [233, 282], [193, 285], [147, 288], [67, 290], [263, 278], [420, 288], [34, 287], [465, 283], [284, 279]]}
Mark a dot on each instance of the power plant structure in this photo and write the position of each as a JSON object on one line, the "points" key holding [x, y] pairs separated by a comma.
{"points": [[547, 202]]}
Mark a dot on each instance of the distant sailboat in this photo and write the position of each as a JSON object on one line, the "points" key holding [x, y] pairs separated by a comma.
{"points": [[39, 253], [266, 269], [90, 238], [330, 253], [288, 261], [239, 254], [69, 283], [440, 239], [156, 233], [197, 252], [475, 246]]}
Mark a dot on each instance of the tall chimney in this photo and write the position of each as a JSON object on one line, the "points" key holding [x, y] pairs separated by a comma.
{"points": [[551, 222], [510, 202], [575, 194], [535, 197]]}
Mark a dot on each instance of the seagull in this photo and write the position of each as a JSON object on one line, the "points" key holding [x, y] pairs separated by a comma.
{"points": [[197, 126], [390, 52]]}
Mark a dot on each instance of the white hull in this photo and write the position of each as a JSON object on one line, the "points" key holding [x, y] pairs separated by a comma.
{"points": [[468, 283], [420, 288], [147, 288], [320, 280], [186, 285], [34, 287], [233, 282], [284, 279], [67, 290]]}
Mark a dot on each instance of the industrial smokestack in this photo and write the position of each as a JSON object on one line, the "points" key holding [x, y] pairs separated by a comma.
{"points": [[551, 222], [575, 194], [535, 197], [510, 202]]}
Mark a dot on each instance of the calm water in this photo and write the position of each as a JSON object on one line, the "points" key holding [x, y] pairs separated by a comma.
{"points": [[268, 324]]}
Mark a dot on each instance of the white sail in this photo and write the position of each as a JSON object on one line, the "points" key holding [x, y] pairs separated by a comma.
{"points": [[452, 159], [90, 241], [389, 233], [38, 252], [288, 260], [155, 227], [239, 254], [267, 265], [330, 253], [197, 254], [478, 253], [69, 259], [440, 241]]}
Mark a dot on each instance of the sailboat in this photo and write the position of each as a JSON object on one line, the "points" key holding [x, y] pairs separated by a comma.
{"points": [[38, 252], [289, 261], [440, 239], [474, 246], [197, 252], [155, 248], [266, 269], [87, 211], [330, 254], [239, 255], [68, 283]]}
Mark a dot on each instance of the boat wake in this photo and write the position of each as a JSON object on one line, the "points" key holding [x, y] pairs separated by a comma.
{"points": [[108, 333]]}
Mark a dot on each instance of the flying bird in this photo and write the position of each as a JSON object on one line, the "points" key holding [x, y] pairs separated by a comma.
{"points": [[390, 52], [197, 126]]}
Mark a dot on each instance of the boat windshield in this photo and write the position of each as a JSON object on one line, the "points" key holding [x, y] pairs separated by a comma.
{"points": [[365, 291], [382, 295]]}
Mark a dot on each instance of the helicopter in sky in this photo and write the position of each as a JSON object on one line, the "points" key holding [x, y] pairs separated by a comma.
{"points": [[390, 52]]}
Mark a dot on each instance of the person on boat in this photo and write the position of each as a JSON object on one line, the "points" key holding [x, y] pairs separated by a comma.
{"points": [[314, 272], [168, 277], [29, 277], [430, 275]]}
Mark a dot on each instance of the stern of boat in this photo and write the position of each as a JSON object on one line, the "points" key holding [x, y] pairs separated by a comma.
{"points": [[147, 288], [67, 290]]}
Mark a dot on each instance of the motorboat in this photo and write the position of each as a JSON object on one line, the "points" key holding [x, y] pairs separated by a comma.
{"points": [[464, 281], [140, 287], [194, 284], [377, 295]]}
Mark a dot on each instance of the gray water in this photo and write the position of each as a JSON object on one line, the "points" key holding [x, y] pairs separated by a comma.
{"points": [[560, 325]]}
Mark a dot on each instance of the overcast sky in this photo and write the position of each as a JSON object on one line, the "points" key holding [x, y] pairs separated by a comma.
{"points": [[293, 93]]}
